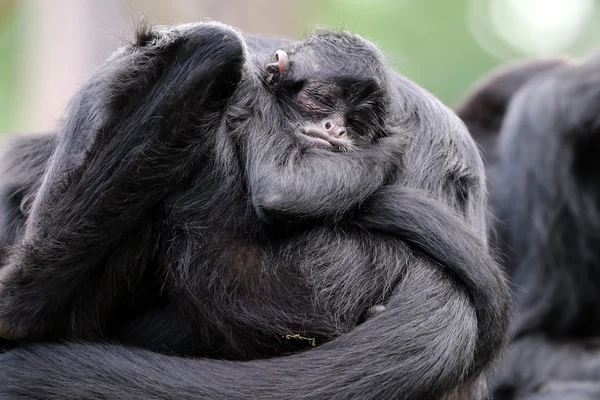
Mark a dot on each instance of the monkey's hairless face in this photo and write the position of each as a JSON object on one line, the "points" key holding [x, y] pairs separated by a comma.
{"points": [[335, 95]]}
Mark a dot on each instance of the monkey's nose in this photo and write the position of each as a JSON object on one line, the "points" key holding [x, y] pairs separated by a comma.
{"points": [[333, 129]]}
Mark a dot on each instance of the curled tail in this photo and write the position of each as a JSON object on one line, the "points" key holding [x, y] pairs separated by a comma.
{"points": [[418, 348], [432, 229]]}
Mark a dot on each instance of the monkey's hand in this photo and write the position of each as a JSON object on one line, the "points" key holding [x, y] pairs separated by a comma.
{"points": [[317, 183]]}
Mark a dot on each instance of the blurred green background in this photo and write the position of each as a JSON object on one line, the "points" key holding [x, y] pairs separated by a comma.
{"points": [[47, 47]]}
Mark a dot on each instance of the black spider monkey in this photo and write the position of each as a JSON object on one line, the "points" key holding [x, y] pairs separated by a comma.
{"points": [[537, 122], [211, 195]]}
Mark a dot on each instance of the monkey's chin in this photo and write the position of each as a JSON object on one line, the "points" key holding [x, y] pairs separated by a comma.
{"points": [[317, 141], [316, 138]]}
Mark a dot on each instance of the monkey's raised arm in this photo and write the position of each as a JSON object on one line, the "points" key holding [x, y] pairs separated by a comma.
{"points": [[113, 162]]}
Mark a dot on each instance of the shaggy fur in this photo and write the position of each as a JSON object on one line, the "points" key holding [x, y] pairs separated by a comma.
{"points": [[179, 212], [546, 198]]}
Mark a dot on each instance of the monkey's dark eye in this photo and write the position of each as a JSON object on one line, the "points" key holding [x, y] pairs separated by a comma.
{"points": [[315, 105], [319, 98]]}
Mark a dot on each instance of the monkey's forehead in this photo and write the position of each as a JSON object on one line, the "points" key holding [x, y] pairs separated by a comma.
{"points": [[333, 54], [330, 49], [332, 60]]}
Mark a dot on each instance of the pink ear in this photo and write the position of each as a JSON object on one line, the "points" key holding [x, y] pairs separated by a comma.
{"points": [[282, 60]]}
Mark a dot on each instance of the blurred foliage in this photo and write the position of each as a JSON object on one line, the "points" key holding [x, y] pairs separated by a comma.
{"points": [[431, 41], [8, 66], [428, 41]]}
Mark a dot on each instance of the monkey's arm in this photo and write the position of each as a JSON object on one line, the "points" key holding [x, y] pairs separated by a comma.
{"points": [[114, 161], [319, 183]]}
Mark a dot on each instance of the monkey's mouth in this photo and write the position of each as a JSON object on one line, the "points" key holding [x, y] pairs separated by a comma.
{"points": [[319, 138]]}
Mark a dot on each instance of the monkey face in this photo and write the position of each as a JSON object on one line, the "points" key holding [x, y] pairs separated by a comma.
{"points": [[335, 100]]}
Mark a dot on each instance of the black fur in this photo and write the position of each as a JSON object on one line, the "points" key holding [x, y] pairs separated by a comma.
{"points": [[545, 194], [484, 106], [181, 212]]}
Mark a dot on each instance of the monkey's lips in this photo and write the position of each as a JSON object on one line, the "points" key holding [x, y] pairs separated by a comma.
{"points": [[320, 138]]}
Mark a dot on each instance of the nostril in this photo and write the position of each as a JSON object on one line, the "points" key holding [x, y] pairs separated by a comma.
{"points": [[342, 132], [328, 125]]}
